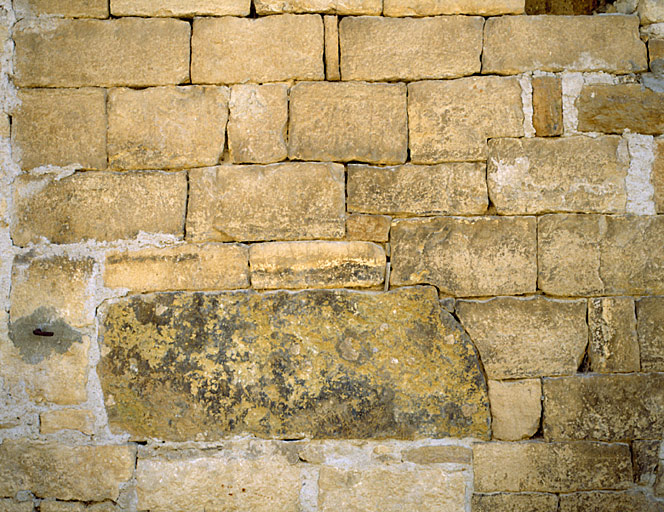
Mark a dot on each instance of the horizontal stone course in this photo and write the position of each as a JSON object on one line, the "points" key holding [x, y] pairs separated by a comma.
{"points": [[515, 502], [341, 7], [180, 8], [67, 8], [609, 502], [435, 7]]}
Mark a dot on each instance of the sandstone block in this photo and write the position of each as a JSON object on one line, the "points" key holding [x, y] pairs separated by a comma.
{"points": [[377, 48], [373, 228], [451, 120], [180, 8], [435, 7], [651, 11], [656, 55], [438, 454], [547, 106], [551, 467], [598, 255], [520, 338], [166, 127], [409, 489], [316, 265], [288, 201], [60, 127], [453, 188], [615, 108], [657, 176], [341, 7], [515, 408], [609, 502], [614, 345], [522, 502], [97, 205], [466, 257], [604, 407], [645, 455], [332, 69], [571, 174], [53, 470], [76, 53], [650, 315], [67, 8], [82, 420], [188, 267], [257, 123], [348, 121], [9, 505], [514, 44], [319, 363], [228, 50]]}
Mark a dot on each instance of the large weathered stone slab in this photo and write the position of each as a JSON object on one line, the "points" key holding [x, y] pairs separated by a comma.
{"points": [[68, 8], [516, 408], [513, 44], [323, 364], [521, 502], [180, 8], [609, 502], [614, 346], [435, 7], [570, 174], [604, 407], [341, 7], [466, 257], [650, 328], [377, 48]]}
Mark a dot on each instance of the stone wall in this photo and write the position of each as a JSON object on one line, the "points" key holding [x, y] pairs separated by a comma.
{"points": [[320, 255]]}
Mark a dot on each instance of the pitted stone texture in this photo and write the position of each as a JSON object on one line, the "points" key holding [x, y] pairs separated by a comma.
{"points": [[341, 7], [514, 44], [516, 408], [67, 8], [188, 267], [53, 470], [374, 228], [551, 467], [466, 257], [76, 53], [614, 346], [451, 120], [60, 127], [570, 174], [657, 175], [180, 8], [609, 502], [651, 11], [82, 420], [321, 364], [345, 121], [392, 489], [97, 205], [650, 315], [166, 127], [645, 455], [258, 122], [9, 505], [599, 255], [376, 48], [287, 201], [435, 7], [316, 265], [616, 108], [523, 502], [453, 188], [547, 106], [519, 338], [604, 407], [228, 50]]}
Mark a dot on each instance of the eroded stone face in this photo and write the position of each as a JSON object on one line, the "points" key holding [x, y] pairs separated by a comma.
{"points": [[547, 106], [609, 502], [614, 346], [372, 7], [325, 364], [73, 8], [509, 502], [180, 8], [516, 408], [435, 7]]}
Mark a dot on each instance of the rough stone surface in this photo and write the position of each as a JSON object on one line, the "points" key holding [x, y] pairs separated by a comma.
{"points": [[524, 502], [67, 8], [341, 7], [258, 122], [515, 408], [76, 53], [656, 55], [439, 454], [513, 44], [551, 467], [374, 228], [180, 8], [82, 420], [188, 267], [8, 505], [604, 407], [377, 48], [519, 338], [609, 502], [85, 473], [598, 255], [614, 346], [645, 456], [228, 50], [348, 121], [453, 188], [325, 364], [547, 106], [565, 7], [657, 175], [332, 69], [287, 201], [571, 174], [60, 127], [650, 315], [451, 120], [651, 11], [97, 205], [316, 265], [466, 257], [166, 127], [435, 7]]}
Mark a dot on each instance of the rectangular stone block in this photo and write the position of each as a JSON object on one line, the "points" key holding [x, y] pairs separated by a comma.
{"points": [[533, 337], [453, 189], [374, 228], [348, 121], [67, 8], [81, 420], [316, 265], [466, 257], [187, 267], [522, 502], [376, 48], [451, 120], [101, 206], [60, 127], [288, 201], [166, 127], [228, 50], [54, 470], [570, 174], [435, 7], [650, 315], [547, 106], [551, 467], [516, 408], [604, 407], [600, 255], [609, 502], [616, 108], [657, 175], [341, 7], [514, 44], [180, 8], [614, 346], [438, 454], [135, 52], [332, 69]]}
